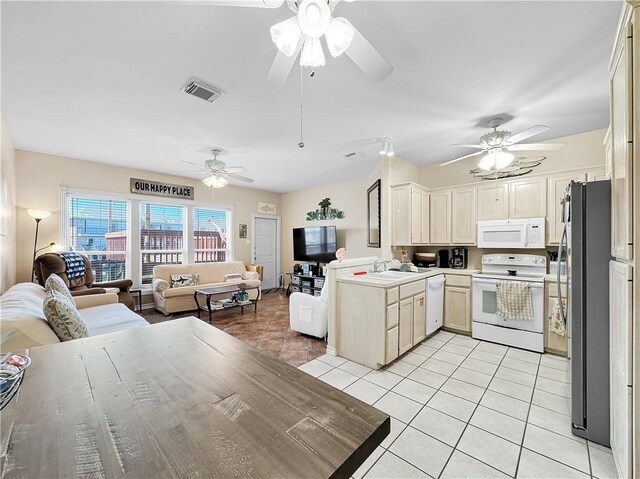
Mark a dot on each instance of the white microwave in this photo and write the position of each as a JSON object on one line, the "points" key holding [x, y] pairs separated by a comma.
{"points": [[520, 233]]}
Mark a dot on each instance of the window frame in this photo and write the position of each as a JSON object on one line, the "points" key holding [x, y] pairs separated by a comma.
{"points": [[133, 262]]}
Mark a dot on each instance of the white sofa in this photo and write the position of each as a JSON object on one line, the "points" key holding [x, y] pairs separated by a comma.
{"points": [[23, 325], [170, 300]]}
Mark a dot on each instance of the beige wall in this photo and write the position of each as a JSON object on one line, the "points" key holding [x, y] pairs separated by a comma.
{"points": [[8, 237], [39, 176], [350, 197], [579, 151]]}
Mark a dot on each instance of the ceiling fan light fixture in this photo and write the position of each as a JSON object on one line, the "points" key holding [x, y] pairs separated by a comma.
{"points": [[339, 36], [312, 54], [487, 162], [390, 151], [286, 35], [215, 181], [314, 17], [503, 159]]}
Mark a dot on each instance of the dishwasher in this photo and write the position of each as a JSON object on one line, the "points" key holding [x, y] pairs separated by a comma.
{"points": [[435, 303]]}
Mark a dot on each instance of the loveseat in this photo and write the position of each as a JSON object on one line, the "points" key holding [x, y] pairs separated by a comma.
{"points": [[169, 299], [23, 324]]}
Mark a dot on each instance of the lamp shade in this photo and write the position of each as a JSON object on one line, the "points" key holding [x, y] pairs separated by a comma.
{"points": [[487, 162], [286, 36], [215, 181], [314, 17], [503, 159], [38, 214], [339, 36], [312, 54], [56, 248]]}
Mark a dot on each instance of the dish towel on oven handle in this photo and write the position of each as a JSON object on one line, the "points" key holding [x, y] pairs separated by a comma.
{"points": [[513, 300], [556, 323]]}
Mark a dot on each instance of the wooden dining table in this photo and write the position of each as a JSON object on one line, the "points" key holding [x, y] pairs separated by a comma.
{"points": [[179, 399]]}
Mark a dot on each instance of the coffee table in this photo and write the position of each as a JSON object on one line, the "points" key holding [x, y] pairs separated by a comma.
{"points": [[180, 399], [227, 289]]}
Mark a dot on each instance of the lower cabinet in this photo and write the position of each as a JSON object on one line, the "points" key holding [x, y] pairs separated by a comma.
{"points": [[392, 344], [457, 303], [405, 332], [553, 342], [419, 318]]}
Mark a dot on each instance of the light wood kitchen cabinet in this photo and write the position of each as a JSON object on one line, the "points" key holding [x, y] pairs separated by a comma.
{"points": [[528, 198], [622, 149], [457, 303], [597, 174], [553, 342], [556, 188], [424, 223], [608, 153], [405, 332], [463, 216], [392, 344], [410, 218], [493, 201], [440, 217], [419, 319]]}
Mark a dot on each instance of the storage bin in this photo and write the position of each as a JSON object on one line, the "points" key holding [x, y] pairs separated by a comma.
{"points": [[317, 292], [318, 283], [296, 280], [306, 290]]}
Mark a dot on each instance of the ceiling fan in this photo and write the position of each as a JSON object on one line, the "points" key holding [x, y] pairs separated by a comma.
{"points": [[302, 34], [218, 172], [497, 146]]}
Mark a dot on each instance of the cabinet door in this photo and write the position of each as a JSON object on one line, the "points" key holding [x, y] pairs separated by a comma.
{"points": [[621, 362], [556, 188], [419, 318], [621, 168], [493, 202], [528, 198], [424, 220], [463, 216], [405, 333], [597, 174], [457, 308], [392, 315], [440, 218], [391, 352], [401, 215], [416, 216]]}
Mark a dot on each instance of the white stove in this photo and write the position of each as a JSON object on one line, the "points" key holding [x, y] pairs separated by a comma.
{"points": [[527, 268]]}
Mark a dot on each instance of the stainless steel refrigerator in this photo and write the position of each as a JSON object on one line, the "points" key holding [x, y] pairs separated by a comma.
{"points": [[586, 240]]}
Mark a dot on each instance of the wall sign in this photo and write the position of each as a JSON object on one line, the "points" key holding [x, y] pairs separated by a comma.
{"points": [[157, 188], [267, 208]]}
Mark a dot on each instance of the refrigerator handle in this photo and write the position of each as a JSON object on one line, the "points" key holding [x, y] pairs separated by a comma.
{"points": [[563, 238]]}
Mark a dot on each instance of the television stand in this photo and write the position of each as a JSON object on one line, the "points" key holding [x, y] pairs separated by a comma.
{"points": [[302, 283]]}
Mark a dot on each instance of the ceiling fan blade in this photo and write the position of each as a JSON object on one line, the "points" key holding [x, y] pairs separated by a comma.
{"points": [[201, 172], [236, 3], [528, 133], [469, 146], [368, 59], [281, 67], [235, 169], [195, 164], [535, 147], [241, 178], [461, 158]]}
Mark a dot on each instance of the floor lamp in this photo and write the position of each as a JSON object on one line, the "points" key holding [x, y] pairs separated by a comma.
{"points": [[37, 215]]}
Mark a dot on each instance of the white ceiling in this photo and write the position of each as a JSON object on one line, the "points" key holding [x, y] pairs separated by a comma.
{"points": [[101, 81]]}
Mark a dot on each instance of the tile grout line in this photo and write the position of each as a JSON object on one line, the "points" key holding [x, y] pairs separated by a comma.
{"points": [[526, 422]]}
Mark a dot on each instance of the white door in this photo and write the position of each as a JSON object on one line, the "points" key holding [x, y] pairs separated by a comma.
{"points": [[266, 250]]}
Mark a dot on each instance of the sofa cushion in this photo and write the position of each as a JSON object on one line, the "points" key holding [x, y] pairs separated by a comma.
{"points": [[110, 318], [250, 275], [63, 317], [183, 280], [208, 272], [189, 290], [56, 283], [22, 318]]}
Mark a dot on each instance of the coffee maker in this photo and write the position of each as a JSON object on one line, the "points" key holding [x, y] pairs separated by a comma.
{"points": [[459, 258], [442, 258]]}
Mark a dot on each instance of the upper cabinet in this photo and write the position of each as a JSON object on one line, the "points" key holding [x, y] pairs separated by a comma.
{"points": [[463, 216], [597, 174], [556, 188], [493, 201], [410, 215], [621, 138], [528, 198], [440, 217]]}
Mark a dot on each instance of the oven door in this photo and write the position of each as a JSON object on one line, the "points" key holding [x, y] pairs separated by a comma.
{"points": [[485, 303], [502, 234]]}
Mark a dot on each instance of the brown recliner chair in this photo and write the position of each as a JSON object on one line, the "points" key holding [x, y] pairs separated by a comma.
{"points": [[51, 263]]}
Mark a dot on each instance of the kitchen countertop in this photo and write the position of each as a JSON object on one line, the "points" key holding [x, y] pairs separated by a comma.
{"points": [[466, 271], [367, 280]]}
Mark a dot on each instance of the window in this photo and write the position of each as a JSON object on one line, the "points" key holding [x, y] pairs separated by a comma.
{"points": [[161, 237], [98, 228], [210, 234]]}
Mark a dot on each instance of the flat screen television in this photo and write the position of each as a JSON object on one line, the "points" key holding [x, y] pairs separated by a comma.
{"points": [[316, 244]]}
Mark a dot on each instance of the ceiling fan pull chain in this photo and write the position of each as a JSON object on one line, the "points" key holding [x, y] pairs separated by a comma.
{"points": [[301, 144]]}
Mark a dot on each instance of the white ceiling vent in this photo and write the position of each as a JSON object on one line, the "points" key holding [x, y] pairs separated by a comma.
{"points": [[200, 89]]}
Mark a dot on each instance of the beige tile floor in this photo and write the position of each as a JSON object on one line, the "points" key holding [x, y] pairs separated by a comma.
{"points": [[466, 408]]}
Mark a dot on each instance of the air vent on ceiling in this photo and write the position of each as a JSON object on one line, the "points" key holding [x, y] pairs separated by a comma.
{"points": [[202, 90]]}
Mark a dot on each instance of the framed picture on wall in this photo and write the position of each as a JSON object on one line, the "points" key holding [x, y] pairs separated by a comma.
{"points": [[243, 231], [373, 212]]}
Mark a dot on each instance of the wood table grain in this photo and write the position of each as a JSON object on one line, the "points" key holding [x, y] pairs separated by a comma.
{"points": [[179, 399]]}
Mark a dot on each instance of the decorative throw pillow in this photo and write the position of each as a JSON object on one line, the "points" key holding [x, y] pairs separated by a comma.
{"points": [[56, 283], [161, 285], [63, 317], [183, 280], [232, 277], [250, 275]]}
